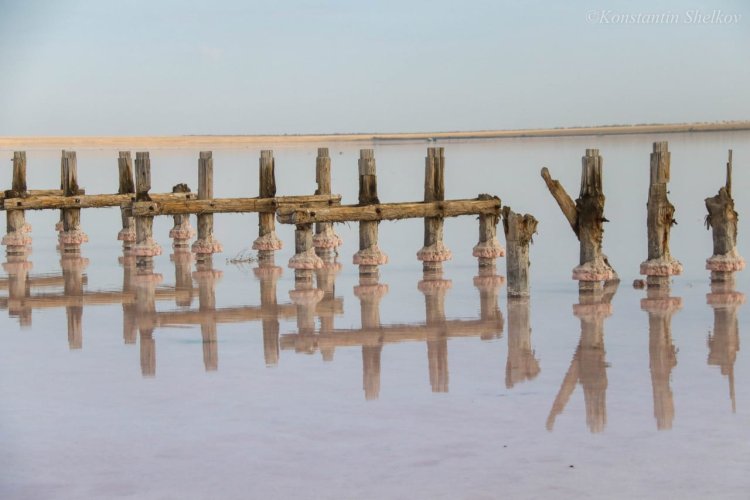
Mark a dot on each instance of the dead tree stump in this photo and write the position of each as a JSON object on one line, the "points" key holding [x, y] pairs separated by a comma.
{"points": [[519, 230]]}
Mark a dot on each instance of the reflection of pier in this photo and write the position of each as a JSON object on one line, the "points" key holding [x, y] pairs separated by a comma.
{"points": [[588, 365]]}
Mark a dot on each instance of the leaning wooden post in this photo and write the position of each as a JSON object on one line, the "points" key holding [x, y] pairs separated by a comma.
{"points": [[722, 218], [72, 236], [586, 218], [17, 237], [489, 248], [206, 245], [434, 252], [145, 246], [519, 230], [660, 219], [724, 341], [182, 231], [434, 288], [326, 241], [126, 186], [369, 255], [267, 241]]}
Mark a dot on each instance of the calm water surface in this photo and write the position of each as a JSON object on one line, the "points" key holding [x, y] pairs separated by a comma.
{"points": [[426, 386]]}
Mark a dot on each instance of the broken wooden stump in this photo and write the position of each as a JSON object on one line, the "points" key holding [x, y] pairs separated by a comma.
{"points": [[305, 258], [586, 218], [489, 248], [267, 240], [326, 241], [145, 246], [126, 186], [722, 218], [434, 251], [519, 231], [206, 244], [724, 339], [660, 219], [17, 236], [369, 253], [71, 236], [182, 231]]}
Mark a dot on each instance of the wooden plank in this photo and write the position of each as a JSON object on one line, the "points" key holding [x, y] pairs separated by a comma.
{"points": [[389, 211], [44, 202], [231, 205]]}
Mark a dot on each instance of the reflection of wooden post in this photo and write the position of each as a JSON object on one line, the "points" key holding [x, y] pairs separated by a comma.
{"points": [[662, 353], [325, 279], [267, 241], [305, 297], [586, 218], [434, 288], [206, 244], [207, 277], [72, 236], [145, 246], [17, 237], [145, 283], [183, 260], [268, 274], [660, 264], [369, 292], [126, 186], [488, 282], [72, 267], [724, 342], [723, 219], [326, 240], [129, 325], [588, 365], [519, 230], [521, 364], [182, 231], [434, 252], [18, 266], [369, 255]]}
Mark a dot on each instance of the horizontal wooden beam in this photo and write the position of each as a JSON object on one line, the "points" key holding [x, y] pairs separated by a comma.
{"points": [[231, 205], [45, 202], [34, 192], [389, 211]]}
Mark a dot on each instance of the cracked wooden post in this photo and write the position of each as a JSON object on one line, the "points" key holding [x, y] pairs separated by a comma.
{"points": [[207, 277], [489, 248], [434, 288], [326, 241], [370, 292], [519, 230], [661, 351], [488, 282], [17, 230], [268, 274], [267, 241], [369, 256], [73, 266], [724, 340], [72, 236], [586, 218], [126, 186], [722, 218], [434, 252], [145, 246], [206, 245], [660, 219], [181, 231]]}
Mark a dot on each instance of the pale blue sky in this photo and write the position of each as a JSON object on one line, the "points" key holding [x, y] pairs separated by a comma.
{"points": [[74, 67]]}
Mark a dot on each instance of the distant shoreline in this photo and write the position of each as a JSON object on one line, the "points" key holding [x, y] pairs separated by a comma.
{"points": [[239, 140]]}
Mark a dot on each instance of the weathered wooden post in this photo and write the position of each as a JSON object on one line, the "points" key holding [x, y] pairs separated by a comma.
{"points": [[126, 186], [72, 236], [267, 241], [206, 245], [488, 282], [722, 218], [17, 237], [434, 288], [660, 264], [182, 231], [326, 240], [661, 352], [522, 364], [305, 259], [586, 218], [268, 274], [434, 252], [489, 248], [370, 292], [519, 230], [73, 266], [724, 341], [369, 255], [145, 247], [207, 277]]}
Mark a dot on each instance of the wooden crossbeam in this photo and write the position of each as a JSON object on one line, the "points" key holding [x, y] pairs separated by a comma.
{"points": [[43, 202], [5, 195], [389, 211], [230, 205]]}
